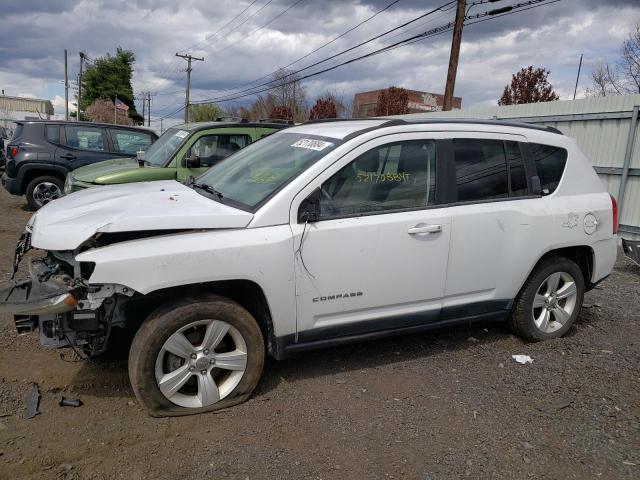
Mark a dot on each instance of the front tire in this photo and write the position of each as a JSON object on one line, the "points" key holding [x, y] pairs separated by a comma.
{"points": [[42, 190], [199, 355], [550, 300]]}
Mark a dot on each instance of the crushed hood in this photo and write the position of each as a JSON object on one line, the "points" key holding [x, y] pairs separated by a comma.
{"points": [[67, 222]]}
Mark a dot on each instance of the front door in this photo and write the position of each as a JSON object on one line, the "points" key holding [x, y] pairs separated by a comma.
{"points": [[376, 258]]}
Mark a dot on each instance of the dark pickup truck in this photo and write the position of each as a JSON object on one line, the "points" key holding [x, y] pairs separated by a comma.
{"points": [[42, 152]]}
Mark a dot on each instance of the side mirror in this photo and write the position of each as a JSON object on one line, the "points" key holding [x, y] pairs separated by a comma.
{"points": [[192, 162], [309, 210], [536, 187]]}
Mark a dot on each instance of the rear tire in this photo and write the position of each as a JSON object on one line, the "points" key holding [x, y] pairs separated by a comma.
{"points": [[550, 300], [42, 190], [177, 368]]}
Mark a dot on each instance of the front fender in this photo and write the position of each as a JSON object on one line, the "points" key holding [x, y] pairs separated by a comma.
{"points": [[261, 255]]}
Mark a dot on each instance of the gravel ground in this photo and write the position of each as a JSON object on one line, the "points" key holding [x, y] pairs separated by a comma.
{"points": [[443, 405]]}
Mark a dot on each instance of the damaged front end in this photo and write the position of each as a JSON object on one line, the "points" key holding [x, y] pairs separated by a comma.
{"points": [[56, 299]]}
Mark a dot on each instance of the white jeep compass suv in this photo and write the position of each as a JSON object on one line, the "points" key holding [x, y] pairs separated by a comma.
{"points": [[318, 235]]}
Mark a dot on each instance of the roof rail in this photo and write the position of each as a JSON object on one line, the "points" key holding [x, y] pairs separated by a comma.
{"points": [[275, 120], [232, 119]]}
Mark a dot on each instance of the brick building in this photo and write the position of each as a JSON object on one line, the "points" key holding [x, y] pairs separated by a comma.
{"points": [[364, 103]]}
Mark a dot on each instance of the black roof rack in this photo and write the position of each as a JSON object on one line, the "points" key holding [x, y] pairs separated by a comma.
{"points": [[418, 121], [232, 119], [275, 120]]}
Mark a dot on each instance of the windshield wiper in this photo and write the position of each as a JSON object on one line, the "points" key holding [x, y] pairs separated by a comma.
{"points": [[208, 189]]}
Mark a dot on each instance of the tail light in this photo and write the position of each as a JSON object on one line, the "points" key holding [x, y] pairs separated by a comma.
{"points": [[12, 151], [614, 212]]}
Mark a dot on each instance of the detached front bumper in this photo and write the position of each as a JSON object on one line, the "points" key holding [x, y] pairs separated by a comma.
{"points": [[27, 298], [631, 249], [46, 292]]}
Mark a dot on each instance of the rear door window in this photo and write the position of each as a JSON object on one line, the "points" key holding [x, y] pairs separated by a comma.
{"points": [[85, 138], [550, 163], [481, 169], [129, 142], [517, 175]]}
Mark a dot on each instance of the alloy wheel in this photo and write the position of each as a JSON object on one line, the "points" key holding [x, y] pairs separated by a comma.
{"points": [[45, 192], [201, 363], [554, 302]]}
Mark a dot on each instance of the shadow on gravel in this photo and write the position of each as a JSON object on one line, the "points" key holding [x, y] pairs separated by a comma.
{"points": [[108, 377], [372, 354]]}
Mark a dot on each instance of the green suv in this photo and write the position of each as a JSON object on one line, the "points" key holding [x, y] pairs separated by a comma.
{"points": [[181, 152]]}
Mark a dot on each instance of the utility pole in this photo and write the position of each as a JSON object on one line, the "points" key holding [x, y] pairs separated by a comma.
{"points": [[66, 88], [455, 54], [148, 109], [188, 58], [578, 77], [82, 55], [144, 105]]}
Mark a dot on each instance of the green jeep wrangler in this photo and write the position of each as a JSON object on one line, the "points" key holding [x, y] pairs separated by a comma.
{"points": [[181, 152]]}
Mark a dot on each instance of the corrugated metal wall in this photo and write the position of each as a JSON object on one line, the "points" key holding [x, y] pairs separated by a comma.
{"points": [[23, 104], [601, 126]]}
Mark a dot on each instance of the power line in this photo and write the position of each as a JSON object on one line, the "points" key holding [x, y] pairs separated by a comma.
{"points": [[260, 28], [321, 46], [173, 62], [348, 49], [516, 8]]}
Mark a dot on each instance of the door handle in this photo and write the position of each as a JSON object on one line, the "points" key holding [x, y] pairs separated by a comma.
{"points": [[68, 156], [424, 229]]}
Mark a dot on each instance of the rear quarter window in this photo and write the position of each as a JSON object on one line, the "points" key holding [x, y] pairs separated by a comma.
{"points": [[53, 133], [550, 163]]}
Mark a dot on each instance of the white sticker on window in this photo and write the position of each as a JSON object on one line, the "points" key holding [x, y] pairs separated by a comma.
{"points": [[181, 133], [311, 144]]}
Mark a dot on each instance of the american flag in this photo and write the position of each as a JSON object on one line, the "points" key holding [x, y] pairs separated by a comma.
{"points": [[120, 105]]}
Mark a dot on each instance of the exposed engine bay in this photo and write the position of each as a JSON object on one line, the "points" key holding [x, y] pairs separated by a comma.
{"points": [[56, 298]]}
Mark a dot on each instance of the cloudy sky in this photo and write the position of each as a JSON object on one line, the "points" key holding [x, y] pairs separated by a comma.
{"points": [[35, 33]]}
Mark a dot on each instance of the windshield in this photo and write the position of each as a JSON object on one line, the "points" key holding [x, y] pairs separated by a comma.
{"points": [[253, 174], [163, 149]]}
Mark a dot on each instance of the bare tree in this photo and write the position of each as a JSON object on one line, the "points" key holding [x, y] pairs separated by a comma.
{"points": [[102, 110], [630, 61], [529, 85], [624, 76], [604, 81], [289, 92]]}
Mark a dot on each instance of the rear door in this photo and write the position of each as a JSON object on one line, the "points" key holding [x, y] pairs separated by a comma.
{"points": [[496, 223], [83, 144]]}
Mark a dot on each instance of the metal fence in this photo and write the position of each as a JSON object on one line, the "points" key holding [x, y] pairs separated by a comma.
{"points": [[606, 130]]}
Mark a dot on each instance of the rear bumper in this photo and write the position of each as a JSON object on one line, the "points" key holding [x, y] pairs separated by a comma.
{"points": [[11, 184], [604, 258], [631, 249]]}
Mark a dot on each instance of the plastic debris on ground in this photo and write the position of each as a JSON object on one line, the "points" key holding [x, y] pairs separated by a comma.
{"points": [[522, 359]]}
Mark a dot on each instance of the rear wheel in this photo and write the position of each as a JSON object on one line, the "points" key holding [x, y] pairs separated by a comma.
{"points": [[197, 356], [42, 190], [550, 300]]}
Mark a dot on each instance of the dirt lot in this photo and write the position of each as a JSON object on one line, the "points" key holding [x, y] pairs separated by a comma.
{"points": [[444, 405]]}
